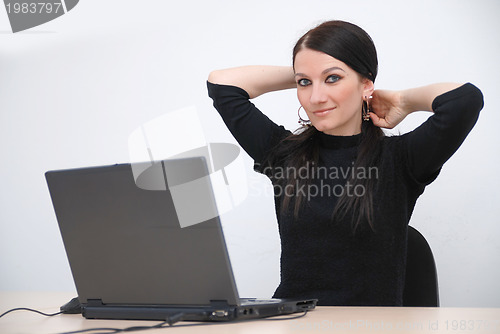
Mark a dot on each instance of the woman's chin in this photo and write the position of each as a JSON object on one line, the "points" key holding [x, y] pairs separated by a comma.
{"points": [[326, 128]]}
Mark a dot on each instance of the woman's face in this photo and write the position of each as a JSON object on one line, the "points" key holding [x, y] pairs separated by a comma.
{"points": [[330, 92]]}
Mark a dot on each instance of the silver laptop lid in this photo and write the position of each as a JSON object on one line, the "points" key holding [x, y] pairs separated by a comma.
{"points": [[125, 244]]}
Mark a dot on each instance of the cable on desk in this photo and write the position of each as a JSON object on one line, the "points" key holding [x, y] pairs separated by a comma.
{"points": [[29, 309], [170, 322], [284, 317], [118, 330]]}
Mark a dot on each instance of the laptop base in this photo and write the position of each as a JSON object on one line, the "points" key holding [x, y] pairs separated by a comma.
{"points": [[217, 311]]}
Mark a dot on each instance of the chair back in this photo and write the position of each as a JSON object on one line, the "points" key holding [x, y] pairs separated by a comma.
{"points": [[421, 282]]}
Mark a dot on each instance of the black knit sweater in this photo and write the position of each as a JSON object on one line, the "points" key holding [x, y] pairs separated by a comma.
{"points": [[325, 260]]}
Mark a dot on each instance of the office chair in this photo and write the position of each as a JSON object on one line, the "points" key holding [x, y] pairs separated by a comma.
{"points": [[421, 282]]}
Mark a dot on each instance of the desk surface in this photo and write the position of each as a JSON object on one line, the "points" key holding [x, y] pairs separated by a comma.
{"points": [[321, 320]]}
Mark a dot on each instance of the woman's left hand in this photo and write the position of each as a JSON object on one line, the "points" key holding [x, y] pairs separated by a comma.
{"points": [[387, 108]]}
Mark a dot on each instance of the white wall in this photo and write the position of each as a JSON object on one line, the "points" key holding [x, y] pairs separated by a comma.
{"points": [[72, 90]]}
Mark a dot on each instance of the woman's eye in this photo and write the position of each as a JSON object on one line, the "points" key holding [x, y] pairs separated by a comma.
{"points": [[332, 78], [304, 82]]}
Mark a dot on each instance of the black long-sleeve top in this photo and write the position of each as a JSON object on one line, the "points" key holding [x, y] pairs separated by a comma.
{"points": [[325, 260]]}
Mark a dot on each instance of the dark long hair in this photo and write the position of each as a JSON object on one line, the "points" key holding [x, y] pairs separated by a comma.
{"points": [[353, 46]]}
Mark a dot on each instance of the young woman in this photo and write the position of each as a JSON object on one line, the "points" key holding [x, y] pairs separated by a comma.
{"points": [[344, 192]]}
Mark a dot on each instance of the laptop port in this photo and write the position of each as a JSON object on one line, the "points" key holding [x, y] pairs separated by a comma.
{"points": [[247, 311], [220, 313]]}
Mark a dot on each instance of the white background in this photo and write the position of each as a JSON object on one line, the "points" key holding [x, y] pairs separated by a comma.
{"points": [[73, 90]]}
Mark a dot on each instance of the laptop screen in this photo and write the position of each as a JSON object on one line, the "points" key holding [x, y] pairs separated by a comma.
{"points": [[125, 244]]}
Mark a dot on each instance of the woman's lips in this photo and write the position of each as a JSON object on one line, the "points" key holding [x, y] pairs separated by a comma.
{"points": [[322, 112]]}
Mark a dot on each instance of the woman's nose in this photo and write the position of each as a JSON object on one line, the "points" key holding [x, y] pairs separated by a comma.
{"points": [[318, 94]]}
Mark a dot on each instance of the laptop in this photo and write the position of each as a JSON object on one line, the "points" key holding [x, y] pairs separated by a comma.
{"points": [[131, 259]]}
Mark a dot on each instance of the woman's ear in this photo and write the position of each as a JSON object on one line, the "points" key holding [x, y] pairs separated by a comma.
{"points": [[368, 87]]}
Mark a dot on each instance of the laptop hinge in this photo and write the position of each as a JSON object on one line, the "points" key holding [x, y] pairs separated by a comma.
{"points": [[219, 303], [94, 302]]}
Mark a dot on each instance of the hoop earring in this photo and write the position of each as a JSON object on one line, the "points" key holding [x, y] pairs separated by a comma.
{"points": [[302, 121], [365, 109]]}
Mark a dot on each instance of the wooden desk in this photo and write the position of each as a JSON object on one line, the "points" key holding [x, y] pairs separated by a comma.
{"points": [[322, 320]]}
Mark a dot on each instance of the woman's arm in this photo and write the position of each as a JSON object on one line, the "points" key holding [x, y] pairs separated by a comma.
{"points": [[255, 80], [456, 109], [389, 108], [231, 90]]}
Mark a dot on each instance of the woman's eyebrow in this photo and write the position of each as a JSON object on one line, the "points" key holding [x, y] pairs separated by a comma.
{"points": [[324, 71], [332, 69]]}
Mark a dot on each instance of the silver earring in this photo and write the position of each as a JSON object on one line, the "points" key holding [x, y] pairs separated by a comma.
{"points": [[365, 109], [302, 121]]}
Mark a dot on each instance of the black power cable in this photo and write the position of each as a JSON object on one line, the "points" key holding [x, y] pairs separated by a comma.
{"points": [[169, 322], [31, 310]]}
